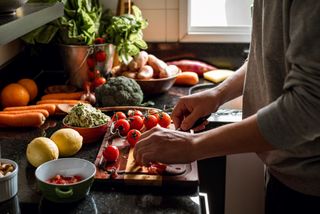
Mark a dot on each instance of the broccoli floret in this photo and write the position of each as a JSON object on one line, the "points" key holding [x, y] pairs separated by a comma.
{"points": [[119, 91]]}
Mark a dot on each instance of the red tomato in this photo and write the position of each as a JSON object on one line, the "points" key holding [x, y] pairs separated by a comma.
{"points": [[123, 126], [136, 122], [91, 62], [133, 137], [164, 119], [99, 81], [111, 153], [150, 121], [135, 113], [99, 40], [118, 115], [91, 75], [101, 56], [153, 111]]}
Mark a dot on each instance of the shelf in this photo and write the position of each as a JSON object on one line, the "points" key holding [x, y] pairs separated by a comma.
{"points": [[27, 18]]}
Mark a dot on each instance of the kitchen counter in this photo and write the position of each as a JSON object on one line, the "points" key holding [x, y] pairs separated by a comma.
{"points": [[13, 144]]}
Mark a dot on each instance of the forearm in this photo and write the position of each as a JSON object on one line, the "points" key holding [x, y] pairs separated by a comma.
{"points": [[233, 138], [231, 87]]}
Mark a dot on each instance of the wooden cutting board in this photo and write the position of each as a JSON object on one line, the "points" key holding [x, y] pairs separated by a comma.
{"points": [[125, 170]]}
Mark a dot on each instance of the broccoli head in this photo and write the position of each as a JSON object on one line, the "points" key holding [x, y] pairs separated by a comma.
{"points": [[119, 91]]}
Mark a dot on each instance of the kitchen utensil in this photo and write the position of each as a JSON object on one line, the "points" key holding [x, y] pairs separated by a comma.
{"points": [[62, 193]]}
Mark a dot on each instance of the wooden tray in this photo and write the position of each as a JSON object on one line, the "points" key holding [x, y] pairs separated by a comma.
{"points": [[124, 172]]}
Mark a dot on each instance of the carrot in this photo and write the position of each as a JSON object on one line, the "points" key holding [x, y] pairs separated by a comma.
{"points": [[51, 108], [30, 119], [187, 78], [43, 111], [56, 102], [63, 96]]}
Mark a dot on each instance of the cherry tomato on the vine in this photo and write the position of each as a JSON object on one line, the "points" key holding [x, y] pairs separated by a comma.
{"points": [[99, 81], [91, 62], [135, 113], [111, 153], [164, 119], [123, 126], [101, 56], [99, 40], [150, 121], [136, 122], [133, 137], [118, 115]]}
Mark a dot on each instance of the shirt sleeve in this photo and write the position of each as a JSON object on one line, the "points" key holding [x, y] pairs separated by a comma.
{"points": [[294, 118]]}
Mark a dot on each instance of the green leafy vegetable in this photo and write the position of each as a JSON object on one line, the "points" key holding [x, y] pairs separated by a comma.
{"points": [[125, 32], [79, 25]]}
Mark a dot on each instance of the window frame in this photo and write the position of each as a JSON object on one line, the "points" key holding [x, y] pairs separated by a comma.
{"points": [[225, 34]]}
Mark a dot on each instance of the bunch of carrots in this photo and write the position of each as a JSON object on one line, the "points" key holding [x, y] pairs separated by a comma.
{"points": [[36, 115]]}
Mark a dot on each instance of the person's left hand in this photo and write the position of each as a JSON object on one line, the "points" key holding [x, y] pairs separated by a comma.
{"points": [[165, 146]]}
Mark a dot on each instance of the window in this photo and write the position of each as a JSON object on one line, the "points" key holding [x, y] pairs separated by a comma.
{"points": [[215, 20]]}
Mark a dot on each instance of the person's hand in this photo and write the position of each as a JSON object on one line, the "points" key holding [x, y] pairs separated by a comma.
{"points": [[192, 107], [165, 146]]}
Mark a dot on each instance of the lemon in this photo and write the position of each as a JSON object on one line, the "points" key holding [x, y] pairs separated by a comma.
{"points": [[40, 150], [69, 141]]}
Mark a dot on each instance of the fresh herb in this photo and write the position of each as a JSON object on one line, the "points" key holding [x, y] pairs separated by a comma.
{"points": [[125, 32]]}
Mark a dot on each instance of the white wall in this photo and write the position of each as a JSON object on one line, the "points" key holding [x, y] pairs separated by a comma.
{"points": [[162, 16]]}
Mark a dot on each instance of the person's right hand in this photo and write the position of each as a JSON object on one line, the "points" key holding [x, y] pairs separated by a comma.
{"points": [[192, 107]]}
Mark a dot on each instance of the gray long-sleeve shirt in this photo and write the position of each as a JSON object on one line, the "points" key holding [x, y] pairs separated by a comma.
{"points": [[283, 87]]}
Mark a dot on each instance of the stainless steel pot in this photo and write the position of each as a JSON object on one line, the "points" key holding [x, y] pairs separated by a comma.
{"points": [[10, 6]]}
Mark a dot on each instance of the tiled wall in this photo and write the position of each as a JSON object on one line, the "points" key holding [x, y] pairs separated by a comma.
{"points": [[162, 16], [163, 19]]}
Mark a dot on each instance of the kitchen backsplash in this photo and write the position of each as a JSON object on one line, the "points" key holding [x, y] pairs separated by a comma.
{"points": [[162, 16]]}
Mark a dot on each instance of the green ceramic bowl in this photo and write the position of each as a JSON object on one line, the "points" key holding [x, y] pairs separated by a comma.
{"points": [[64, 193]]}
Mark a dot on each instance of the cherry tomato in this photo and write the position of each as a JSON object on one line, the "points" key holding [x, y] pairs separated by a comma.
{"points": [[150, 121], [91, 62], [91, 75], [101, 56], [111, 153], [118, 115], [136, 122], [153, 111], [135, 113], [123, 126], [99, 40], [133, 137], [164, 120], [99, 81]]}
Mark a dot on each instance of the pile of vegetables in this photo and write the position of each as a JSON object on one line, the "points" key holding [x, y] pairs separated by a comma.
{"points": [[84, 21], [145, 66]]}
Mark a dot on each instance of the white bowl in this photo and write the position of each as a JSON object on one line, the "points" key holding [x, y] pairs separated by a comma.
{"points": [[9, 183], [66, 167]]}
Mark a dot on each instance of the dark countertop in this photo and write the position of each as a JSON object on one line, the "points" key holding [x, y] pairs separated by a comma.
{"points": [[13, 144]]}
